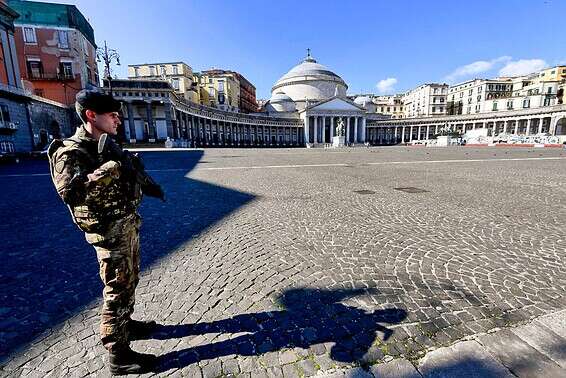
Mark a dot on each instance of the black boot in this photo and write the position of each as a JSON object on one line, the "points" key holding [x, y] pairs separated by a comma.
{"points": [[124, 361], [138, 329]]}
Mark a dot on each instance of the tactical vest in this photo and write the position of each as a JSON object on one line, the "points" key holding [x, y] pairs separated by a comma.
{"points": [[103, 204]]}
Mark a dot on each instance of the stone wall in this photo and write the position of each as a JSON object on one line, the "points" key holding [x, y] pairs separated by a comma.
{"points": [[49, 121], [18, 138]]}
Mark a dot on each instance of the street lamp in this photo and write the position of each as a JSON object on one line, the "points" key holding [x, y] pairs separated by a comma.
{"points": [[106, 56]]}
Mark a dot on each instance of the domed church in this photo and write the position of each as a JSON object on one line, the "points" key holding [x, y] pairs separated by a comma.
{"points": [[312, 92]]}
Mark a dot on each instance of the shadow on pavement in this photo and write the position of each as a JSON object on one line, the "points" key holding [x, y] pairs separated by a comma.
{"points": [[48, 273], [310, 316]]}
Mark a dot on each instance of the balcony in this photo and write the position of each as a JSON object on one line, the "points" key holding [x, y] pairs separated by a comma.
{"points": [[8, 127], [37, 76]]}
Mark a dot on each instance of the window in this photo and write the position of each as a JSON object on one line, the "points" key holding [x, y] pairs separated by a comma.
{"points": [[4, 114], [388, 109], [509, 105], [552, 72], [35, 69], [526, 103], [546, 102], [494, 108], [175, 83], [470, 92], [29, 35], [469, 109], [433, 109], [163, 71], [151, 70], [469, 100], [66, 70], [88, 74], [175, 70], [220, 86], [136, 71], [63, 37], [549, 90], [211, 91], [209, 81], [435, 90]]}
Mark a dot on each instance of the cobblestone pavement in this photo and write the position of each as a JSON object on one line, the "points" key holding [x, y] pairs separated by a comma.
{"points": [[294, 262]]}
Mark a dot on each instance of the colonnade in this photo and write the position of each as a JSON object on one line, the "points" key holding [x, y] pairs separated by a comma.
{"points": [[322, 128]]}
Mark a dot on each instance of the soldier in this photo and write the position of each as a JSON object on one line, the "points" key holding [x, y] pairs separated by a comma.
{"points": [[103, 193]]}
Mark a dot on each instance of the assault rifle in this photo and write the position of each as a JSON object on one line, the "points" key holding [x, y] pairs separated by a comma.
{"points": [[132, 164]]}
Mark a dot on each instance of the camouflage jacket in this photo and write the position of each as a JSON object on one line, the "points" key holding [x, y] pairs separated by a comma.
{"points": [[97, 192]]}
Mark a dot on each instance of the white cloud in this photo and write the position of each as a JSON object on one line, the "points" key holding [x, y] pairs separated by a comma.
{"points": [[475, 68], [522, 67], [386, 85]]}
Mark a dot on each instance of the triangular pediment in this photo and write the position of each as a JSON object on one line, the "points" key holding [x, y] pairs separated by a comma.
{"points": [[336, 103]]}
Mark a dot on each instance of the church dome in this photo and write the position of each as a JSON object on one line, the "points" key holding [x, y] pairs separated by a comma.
{"points": [[310, 80], [280, 102]]}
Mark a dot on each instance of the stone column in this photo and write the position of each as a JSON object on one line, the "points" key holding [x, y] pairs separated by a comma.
{"points": [[516, 127], [355, 129], [363, 133], [131, 122], [150, 126], [435, 129], [540, 122], [427, 132], [411, 134], [505, 127], [419, 133], [323, 129], [348, 130], [315, 130], [331, 129], [402, 134], [528, 132], [307, 126]]}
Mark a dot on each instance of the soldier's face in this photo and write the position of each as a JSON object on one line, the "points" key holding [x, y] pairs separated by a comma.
{"points": [[107, 122]]}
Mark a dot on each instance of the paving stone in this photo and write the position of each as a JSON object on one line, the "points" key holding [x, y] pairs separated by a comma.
{"points": [[544, 340], [518, 356], [398, 368], [556, 322], [464, 359], [251, 258]]}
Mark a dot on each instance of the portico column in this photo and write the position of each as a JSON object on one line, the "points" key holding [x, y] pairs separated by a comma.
{"points": [[427, 131], [131, 123], [419, 133], [323, 129], [411, 134], [149, 121], [355, 129], [307, 125], [348, 130], [331, 129], [363, 130], [516, 127], [528, 126], [315, 130], [402, 134], [505, 127], [435, 129], [540, 122]]}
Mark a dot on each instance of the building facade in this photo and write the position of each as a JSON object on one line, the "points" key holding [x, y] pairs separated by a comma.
{"points": [[178, 74], [478, 96], [221, 89], [426, 100], [56, 50]]}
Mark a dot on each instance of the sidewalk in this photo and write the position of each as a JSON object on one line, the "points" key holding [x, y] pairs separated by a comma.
{"points": [[536, 349]]}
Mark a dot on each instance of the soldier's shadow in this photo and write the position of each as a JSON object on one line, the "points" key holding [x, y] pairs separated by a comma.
{"points": [[309, 317]]}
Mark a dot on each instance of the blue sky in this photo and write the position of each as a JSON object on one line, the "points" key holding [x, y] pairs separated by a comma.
{"points": [[375, 46]]}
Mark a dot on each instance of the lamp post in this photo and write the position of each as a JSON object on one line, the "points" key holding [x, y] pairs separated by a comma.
{"points": [[107, 56]]}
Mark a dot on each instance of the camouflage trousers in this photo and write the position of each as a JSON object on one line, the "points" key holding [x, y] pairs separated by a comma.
{"points": [[117, 252]]}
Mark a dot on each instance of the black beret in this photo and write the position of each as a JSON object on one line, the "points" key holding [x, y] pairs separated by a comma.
{"points": [[97, 101]]}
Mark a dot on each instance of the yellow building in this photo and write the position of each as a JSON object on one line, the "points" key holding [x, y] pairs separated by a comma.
{"points": [[178, 74], [219, 89], [557, 73]]}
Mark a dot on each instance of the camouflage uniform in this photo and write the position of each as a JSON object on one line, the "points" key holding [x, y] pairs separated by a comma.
{"points": [[103, 201]]}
